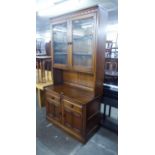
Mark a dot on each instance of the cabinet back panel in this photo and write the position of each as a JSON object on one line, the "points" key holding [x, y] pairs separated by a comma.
{"points": [[79, 79]]}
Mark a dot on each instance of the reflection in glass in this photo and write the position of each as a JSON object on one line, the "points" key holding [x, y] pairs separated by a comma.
{"points": [[83, 42], [60, 43]]}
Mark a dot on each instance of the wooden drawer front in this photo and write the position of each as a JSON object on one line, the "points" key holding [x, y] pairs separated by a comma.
{"points": [[51, 101], [51, 97], [72, 106]]}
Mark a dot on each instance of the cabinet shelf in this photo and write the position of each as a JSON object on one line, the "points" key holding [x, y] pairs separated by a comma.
{"points": [[60, 53], [84, 37], [59, 42], [82, 54]]}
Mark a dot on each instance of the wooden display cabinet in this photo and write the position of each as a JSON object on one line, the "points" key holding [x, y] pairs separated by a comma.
{"points": [[78, 51]]}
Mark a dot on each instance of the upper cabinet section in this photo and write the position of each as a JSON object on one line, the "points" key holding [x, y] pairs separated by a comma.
{"points": [[75, 40], [83, 42], [60, 43]]}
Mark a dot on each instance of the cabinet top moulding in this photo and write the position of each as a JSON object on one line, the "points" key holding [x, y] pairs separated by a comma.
{"points": [[79, 12]]}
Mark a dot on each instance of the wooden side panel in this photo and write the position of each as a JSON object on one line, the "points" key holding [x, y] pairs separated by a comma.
{"points": [[92, 116], [77, 79], [92, 109], [100, 53]]}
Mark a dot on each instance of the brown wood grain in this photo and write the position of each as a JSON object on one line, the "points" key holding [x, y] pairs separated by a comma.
{"points": [[81, 79]]}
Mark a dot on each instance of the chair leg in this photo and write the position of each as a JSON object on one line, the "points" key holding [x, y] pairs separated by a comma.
{"points": [[104, 111], [109, 110]]}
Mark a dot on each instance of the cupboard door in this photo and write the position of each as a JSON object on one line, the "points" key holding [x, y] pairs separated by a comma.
{"points": [[60, 43], [73, 120], [68, 118], [83, 39], [77, 122], [53, 111]]}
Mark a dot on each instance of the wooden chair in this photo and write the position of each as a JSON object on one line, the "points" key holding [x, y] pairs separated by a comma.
{"points": [[43, 76], [109, 45]]}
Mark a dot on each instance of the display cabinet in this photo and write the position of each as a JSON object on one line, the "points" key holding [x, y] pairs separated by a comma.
{"points": [[78, 51], [111, 63]]}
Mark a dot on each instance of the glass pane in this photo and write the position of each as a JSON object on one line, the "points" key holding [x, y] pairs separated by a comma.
{"points": [[60, 43], [83, 41]]}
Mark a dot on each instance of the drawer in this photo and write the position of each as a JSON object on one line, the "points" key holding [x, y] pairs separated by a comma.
{"points": [[55, 102], [52, 97], [72, 106]]}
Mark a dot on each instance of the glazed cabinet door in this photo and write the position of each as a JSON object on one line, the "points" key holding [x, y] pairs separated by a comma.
{"points": [[53, 110], [83, 42], [72, 117], [60, 43]]}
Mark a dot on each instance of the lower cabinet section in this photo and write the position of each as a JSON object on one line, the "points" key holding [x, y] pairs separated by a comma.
{"points": [[81, 121]]}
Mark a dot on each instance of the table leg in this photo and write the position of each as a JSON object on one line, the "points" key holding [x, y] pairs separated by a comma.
{"points": [[104, 115], [38, 72], [109, 110], [39, 97], [43, 71]]}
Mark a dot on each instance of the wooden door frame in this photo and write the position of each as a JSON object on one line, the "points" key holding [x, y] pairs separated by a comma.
{"points": [[52, 50], [85, 16]]}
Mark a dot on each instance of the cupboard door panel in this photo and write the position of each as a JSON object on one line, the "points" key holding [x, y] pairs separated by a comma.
{"points": [[57, 113], [77, 122], [53, 111], [50, 109], [67, 118]]}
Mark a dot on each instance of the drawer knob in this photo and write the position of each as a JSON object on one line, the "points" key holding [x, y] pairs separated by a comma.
{"points": [[72, 106]]}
